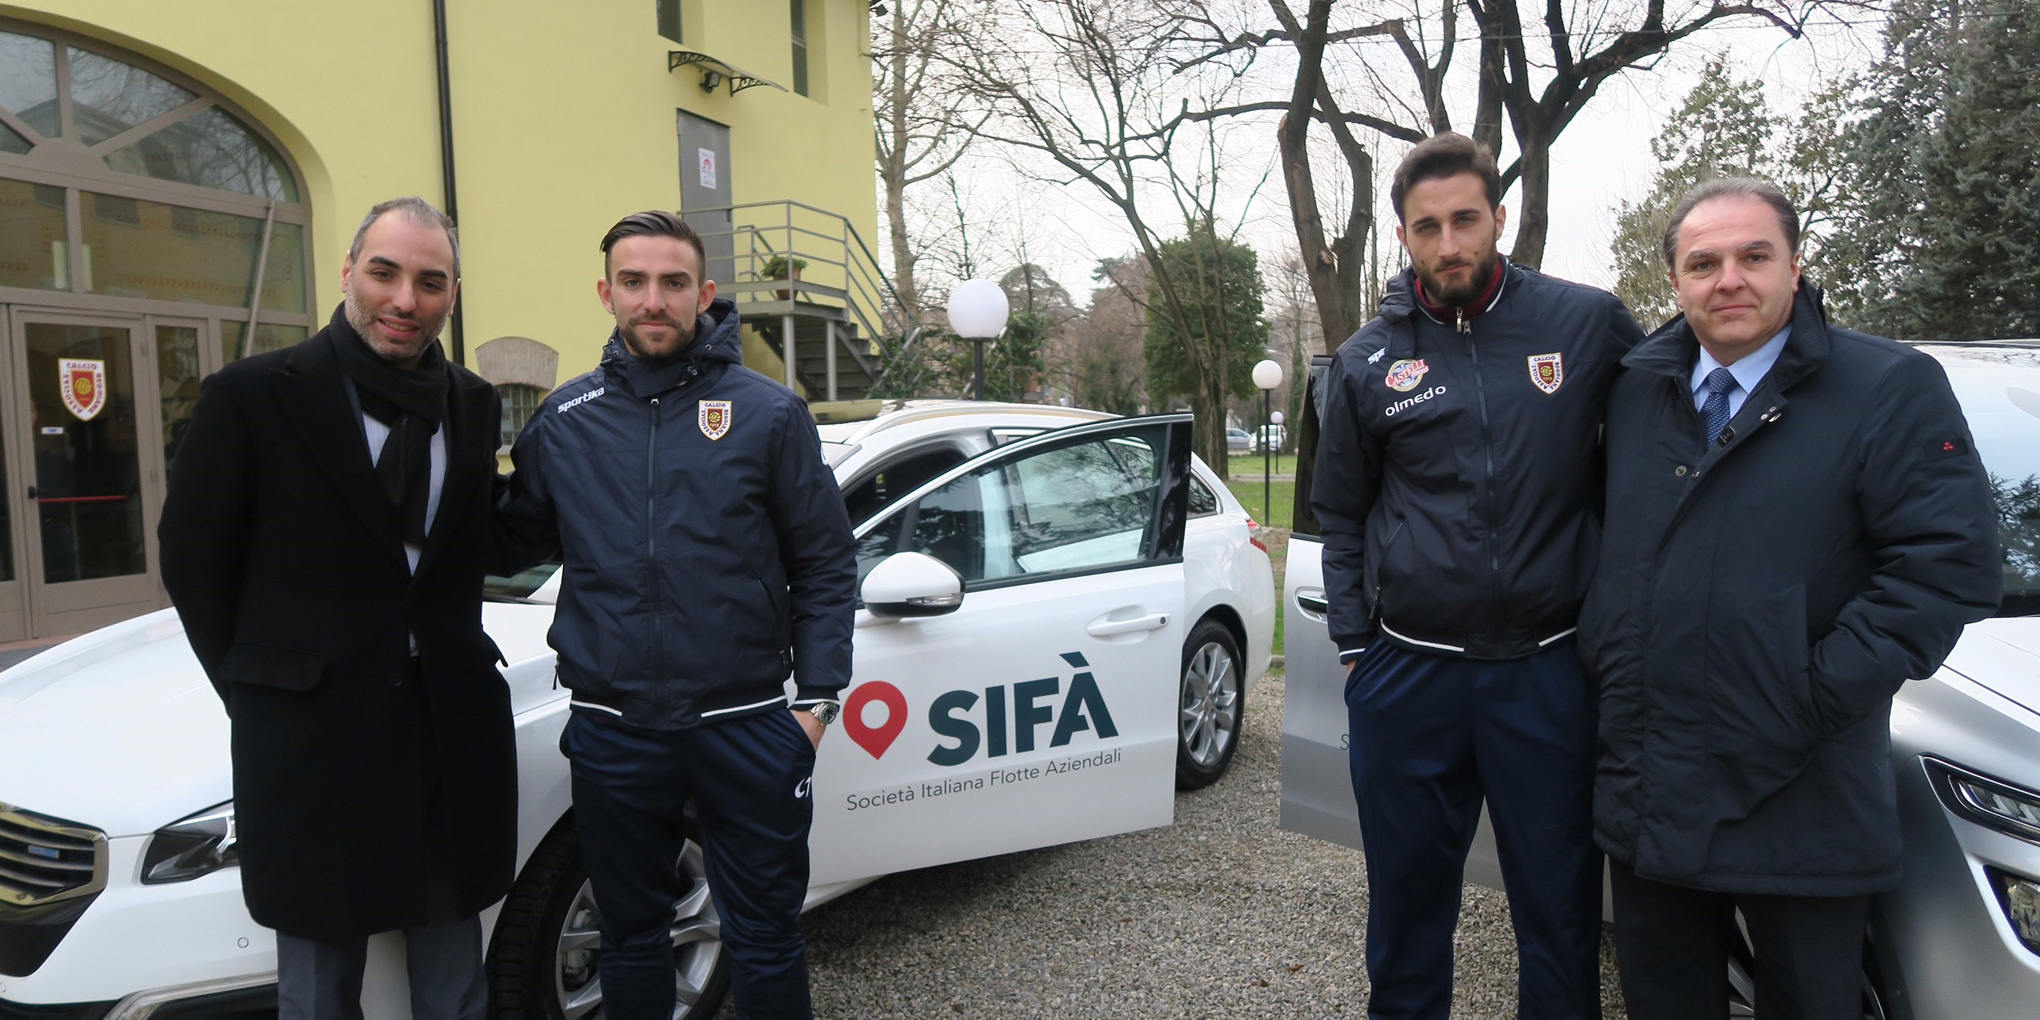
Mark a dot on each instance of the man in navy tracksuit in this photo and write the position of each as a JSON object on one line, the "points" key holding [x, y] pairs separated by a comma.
{"points": [[1456, 487], [707, 556]]}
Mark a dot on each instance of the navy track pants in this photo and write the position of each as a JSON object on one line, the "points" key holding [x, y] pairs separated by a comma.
{"points": [[1434, 736], [749, 780]]}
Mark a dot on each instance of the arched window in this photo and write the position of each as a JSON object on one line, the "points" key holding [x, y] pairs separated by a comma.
{"points": [[127, 187]]}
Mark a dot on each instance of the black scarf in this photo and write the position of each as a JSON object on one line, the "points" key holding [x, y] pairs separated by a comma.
{"points": [[412, 403]]}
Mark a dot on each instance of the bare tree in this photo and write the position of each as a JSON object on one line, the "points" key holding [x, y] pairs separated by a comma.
{"points": [[1096, 91], [1538, 67], [923, 126]]}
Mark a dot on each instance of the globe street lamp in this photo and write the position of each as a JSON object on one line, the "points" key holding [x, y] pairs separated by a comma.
{"points": [[977, 313], [1267, 375]]}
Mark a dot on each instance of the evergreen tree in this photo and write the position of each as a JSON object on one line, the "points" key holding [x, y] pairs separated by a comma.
{"points": [[1222, 283], [1726, 128], [1944, 217]]}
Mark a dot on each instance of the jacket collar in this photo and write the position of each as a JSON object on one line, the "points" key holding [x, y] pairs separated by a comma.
{"points": [[1399, 300], [1673, 349], [716, 343], [1485, 301], [317, 405]]}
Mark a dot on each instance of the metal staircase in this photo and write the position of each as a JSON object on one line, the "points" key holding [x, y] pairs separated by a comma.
{"points": [[831, 327]]}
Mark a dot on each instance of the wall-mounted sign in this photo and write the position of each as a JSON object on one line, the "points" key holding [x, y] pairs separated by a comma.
{"points": [[707, 168], [83, 384]]}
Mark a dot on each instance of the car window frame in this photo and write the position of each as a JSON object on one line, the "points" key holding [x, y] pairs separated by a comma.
{"points": [[1304, 523], [1165, 529]]}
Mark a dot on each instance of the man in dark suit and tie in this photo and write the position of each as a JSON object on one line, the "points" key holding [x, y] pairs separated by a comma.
{"points": [[324, 541]]}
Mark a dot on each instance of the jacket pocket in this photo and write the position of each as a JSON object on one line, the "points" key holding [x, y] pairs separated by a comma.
{"points": [[1763, 735], [265, 666], [782, 612], [1374, 572]]}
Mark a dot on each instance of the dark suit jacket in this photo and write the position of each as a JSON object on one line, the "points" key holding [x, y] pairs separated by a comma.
{"points": [[361, 801]]}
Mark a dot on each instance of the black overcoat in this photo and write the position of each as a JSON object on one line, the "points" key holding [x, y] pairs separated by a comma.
{"points": [[1758, 603], [354, 794]]}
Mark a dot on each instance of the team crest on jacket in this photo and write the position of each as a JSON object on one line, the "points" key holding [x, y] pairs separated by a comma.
{"points": [[1404, 375], [1547, 372], [714, 416], [83, 384]]}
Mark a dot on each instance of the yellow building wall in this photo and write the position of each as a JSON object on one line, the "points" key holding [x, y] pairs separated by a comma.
{"points": [[563, 114]]}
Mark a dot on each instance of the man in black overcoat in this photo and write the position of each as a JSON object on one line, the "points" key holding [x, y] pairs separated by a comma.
{"points": [[1798, 524], [324, 540]]}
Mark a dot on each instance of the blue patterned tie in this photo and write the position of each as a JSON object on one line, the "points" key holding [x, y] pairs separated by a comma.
{"points": [[1718, 383]]}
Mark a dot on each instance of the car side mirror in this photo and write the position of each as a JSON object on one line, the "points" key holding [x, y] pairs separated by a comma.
{"points": [[912, 584]]}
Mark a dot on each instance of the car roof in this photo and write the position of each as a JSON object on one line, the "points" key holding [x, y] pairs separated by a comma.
{"points": [[895, 413]]}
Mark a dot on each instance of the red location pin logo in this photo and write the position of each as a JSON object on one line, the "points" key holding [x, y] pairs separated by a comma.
{"points": [[875, 739]]}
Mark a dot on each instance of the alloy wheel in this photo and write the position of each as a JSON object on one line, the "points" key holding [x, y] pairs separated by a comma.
{"points": [[1210, 707], [697, 945]]}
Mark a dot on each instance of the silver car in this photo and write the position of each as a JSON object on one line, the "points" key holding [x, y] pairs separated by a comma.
{"points": [[1960, 937]]}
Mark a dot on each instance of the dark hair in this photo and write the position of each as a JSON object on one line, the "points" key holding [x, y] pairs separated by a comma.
{"points": [[1731, 187], [1446, 154], [418, 211], [654, 223]]}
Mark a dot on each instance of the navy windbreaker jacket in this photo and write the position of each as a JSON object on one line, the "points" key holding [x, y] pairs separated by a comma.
{"points": [[706, 548], [1458, 468]]}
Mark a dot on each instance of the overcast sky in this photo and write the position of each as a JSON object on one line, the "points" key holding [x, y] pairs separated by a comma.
{"points": [[1602, 159]]}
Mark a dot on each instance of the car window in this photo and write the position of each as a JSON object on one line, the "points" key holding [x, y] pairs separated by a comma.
{"points": [[1079, 507], [1999, 388], [1305, 522], [1203, 502], [518, 586], [896, 478]]}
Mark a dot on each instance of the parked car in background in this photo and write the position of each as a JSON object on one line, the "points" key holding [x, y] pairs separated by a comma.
{"points": [[1060, 614], [1238, 441], [1960, 937], [1270, 437]]}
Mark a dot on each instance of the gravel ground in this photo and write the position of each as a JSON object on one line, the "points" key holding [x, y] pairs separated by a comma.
{"points": [[1218, 915]]}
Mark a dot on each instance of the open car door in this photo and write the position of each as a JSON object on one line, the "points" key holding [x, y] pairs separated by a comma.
{"points": [[1032, 701], [1317, 777]]}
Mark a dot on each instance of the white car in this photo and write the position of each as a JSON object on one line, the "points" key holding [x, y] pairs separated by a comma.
{"points": [[1960, 937], [1077, 646]]}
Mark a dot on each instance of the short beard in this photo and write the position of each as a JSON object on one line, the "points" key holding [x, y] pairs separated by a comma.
{"points": [[1483, 274], [683, 338], [363, 322]]}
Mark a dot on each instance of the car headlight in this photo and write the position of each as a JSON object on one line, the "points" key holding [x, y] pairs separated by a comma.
{"points": [[2012, 810], [2020, 896], [194, 846]]}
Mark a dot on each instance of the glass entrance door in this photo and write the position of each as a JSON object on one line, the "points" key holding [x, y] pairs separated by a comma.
{"points": [[86, 437]]}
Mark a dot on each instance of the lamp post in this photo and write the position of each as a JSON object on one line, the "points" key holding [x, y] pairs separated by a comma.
{"points": [[1267, 375], [978, 312]]}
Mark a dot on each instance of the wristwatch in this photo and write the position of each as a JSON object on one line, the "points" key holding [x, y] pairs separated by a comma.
{"points": [[825, 712]]}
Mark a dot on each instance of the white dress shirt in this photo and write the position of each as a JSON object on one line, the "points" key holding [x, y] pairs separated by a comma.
{"points": [[378, 437]]}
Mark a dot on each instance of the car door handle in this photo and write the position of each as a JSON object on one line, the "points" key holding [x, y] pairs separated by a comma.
{"points": [[1107, 628], [1312, 603]]}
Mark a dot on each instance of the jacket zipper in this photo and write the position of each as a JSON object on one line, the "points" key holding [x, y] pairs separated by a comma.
{"points": [[1393, 533], [1487, 450], [652, 557]]}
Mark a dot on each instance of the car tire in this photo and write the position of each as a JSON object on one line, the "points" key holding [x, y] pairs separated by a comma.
{"points": [[542, 960], [1742, 979], [1210, 705]]}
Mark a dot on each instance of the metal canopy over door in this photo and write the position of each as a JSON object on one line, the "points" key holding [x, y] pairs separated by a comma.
{"points": [[705, 185], [84, 436]]}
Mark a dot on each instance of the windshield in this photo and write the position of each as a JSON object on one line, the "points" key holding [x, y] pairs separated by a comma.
{"points": [[1999, 387], [519, 586]]}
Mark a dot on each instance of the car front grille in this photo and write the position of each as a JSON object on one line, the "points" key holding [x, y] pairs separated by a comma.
{"points": [[44, 860]]}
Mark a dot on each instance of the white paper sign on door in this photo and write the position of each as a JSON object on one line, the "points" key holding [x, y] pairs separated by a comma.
{"points": [[707, 168]]}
